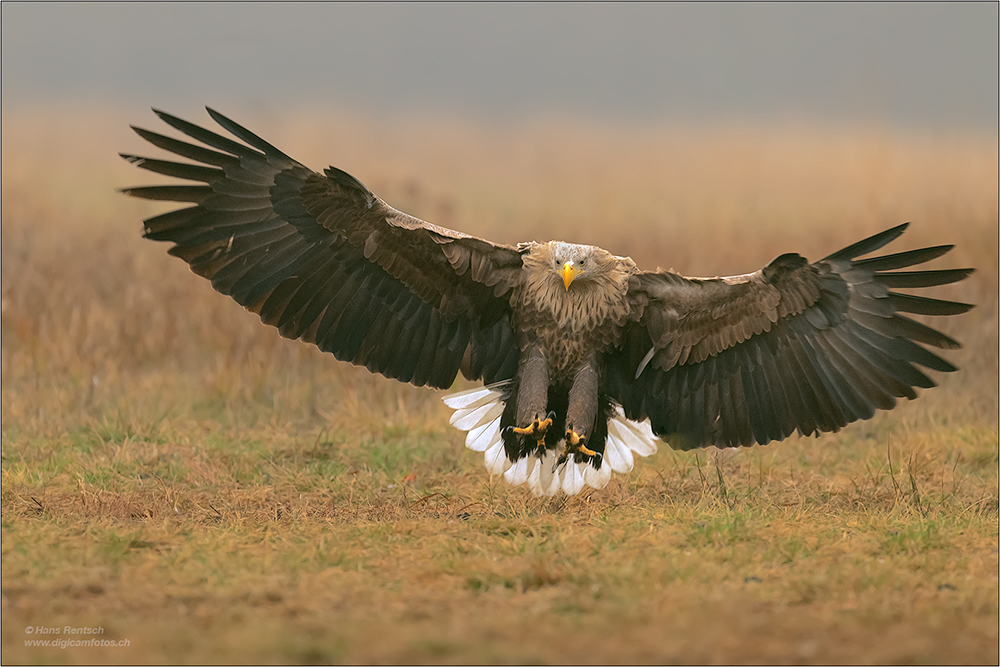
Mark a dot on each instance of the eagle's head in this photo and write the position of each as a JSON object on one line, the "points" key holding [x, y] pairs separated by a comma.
{"points": [[580, 262]]}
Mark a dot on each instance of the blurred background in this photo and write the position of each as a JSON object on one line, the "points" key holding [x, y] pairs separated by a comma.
{"points": [[919, 64]]}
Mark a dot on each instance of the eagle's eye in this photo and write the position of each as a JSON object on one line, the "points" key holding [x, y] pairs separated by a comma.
{"points": [[582, 261]]}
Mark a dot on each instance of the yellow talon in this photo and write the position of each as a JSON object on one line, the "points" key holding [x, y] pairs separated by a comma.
{"points": [[537, 428], [574, 443]]}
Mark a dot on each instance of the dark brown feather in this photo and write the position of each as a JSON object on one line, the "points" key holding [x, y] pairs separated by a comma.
{"points": [[323, 259], [793, 347]]}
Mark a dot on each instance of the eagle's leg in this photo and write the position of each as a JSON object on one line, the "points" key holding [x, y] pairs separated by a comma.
{"points": [[533, 395], [582, 412]]}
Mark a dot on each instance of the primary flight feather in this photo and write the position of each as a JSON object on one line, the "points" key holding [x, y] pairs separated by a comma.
{"points": [[587, 360]]}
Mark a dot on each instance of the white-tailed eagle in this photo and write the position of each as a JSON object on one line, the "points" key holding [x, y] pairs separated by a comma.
{"points": [[587, 359]]}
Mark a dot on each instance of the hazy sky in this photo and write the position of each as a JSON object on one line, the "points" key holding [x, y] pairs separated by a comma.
{"points": [[922, 64]]}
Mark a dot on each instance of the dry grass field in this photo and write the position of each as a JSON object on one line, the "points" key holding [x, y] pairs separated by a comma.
{"points": [[205, 492]]}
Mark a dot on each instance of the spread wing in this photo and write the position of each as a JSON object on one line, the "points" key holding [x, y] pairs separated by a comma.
{"points": [[795, 346], [323, 259]]}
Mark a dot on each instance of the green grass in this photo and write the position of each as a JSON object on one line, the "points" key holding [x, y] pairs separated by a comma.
{"points": [[178, 475]]}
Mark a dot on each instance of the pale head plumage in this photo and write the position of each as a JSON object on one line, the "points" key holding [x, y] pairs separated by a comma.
{"points": [[593, 293], [572, 262]]}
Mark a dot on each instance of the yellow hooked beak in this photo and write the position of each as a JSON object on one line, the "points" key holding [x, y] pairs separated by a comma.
{"points": [[569, 273]]}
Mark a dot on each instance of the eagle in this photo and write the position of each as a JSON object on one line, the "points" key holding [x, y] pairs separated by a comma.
{"points": [[586, 360]]}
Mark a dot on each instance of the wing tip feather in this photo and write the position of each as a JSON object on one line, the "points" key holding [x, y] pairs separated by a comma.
{"points": [[867, 245]]}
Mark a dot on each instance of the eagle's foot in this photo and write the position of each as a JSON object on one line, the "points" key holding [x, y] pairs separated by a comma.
{"points": [[537, 428], [575, 445]]}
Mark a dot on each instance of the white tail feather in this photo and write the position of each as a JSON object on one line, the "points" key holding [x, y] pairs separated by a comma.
{"points": [[637, 436], [496, 459], [548, 479], [572, 476], [617, 455], [544, 480], [597, 479], [469, 418], [483, 437], [518, 473], [466, 399]]}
